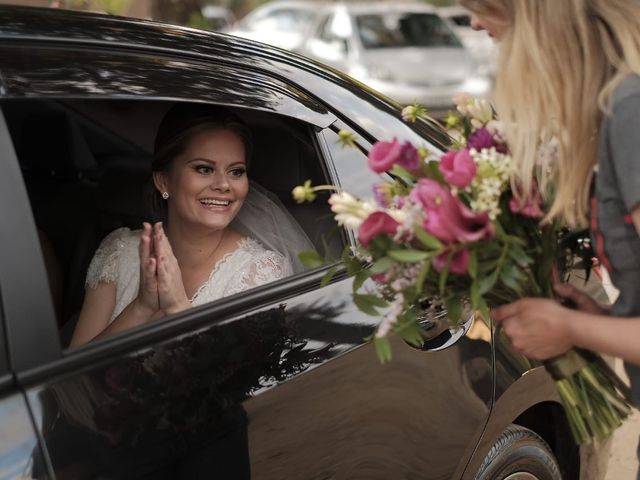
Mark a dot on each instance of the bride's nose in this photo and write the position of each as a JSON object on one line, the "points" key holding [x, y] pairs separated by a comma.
{"points": [[219, 181]]}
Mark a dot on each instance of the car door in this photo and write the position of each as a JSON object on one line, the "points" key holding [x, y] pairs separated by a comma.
{"points": [[273, 383], [19, 442]]}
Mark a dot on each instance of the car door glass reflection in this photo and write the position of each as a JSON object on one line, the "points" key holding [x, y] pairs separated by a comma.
{"points": [[176, 411]]}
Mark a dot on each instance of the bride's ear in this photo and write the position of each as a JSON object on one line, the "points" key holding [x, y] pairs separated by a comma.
{"points": [[160, 181]]}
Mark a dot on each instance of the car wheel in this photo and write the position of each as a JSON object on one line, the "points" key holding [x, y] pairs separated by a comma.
{"points": [[519, 454]]}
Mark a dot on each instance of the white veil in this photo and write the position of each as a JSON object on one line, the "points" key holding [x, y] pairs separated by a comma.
{"points": [[264, 218]]}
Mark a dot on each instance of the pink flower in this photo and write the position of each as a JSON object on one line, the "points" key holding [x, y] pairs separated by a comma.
{"points": [[458, 168], [384, 155], [447, 218], [459, 262], [531, 207], [378, 223]]}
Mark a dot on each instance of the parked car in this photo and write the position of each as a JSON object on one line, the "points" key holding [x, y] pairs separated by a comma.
{"points": [[281, 23], [482, 46], [403, 50], [217, 18], [275, 382]]}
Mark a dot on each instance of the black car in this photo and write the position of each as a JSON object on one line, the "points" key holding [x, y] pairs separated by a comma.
{"points": [[277, 382]]}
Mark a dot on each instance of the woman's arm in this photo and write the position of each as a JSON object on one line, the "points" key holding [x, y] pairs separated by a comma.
{"points": [[100, 301], [542, 328]]}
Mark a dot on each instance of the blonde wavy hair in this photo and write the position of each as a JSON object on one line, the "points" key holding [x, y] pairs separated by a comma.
{"points": [[560, 61]]}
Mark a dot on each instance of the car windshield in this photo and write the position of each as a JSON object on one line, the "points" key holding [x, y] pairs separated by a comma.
{"points": [[398, 30]]}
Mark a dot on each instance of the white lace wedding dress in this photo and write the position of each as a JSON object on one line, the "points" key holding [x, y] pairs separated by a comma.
{"points": [[117, 261]]}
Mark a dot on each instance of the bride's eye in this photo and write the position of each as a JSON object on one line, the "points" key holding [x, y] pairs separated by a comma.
{"points": [[203, 169], [237, 171]]}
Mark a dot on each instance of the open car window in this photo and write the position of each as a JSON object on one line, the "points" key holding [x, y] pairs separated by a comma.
{"points": [[87, 168]]}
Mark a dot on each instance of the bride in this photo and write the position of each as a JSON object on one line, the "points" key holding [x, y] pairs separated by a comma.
{"points": [[219, 234]]}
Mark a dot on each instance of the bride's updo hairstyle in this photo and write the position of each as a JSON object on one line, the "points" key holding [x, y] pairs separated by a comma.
{"points": [[178, 126]]}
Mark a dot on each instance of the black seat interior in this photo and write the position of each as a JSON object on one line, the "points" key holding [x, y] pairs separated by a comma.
{"points": [[84, 181]]}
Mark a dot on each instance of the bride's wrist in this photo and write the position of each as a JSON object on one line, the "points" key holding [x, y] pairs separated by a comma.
{"points": [[178, 307]]}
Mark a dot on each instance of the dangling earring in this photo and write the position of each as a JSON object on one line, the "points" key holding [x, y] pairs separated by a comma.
{"points": [[165, 195]]}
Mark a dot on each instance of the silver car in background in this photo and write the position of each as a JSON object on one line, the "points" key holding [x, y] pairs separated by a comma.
{"points": [[282, 23], [405, 51]]}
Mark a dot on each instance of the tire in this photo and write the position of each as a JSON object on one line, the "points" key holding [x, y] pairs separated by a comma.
{"points": [[519, 454]]}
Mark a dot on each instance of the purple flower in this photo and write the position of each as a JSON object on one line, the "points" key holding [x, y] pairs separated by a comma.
{"points": [[483, 138], [384, 155], [458, 168]]}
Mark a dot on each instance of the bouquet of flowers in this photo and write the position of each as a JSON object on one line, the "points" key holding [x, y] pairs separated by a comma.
{"points": [[448, 234]]}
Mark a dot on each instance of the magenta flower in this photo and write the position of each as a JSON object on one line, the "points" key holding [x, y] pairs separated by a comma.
{"points": [[459, 262], [530, 208], [378, 223], [458, 168], [446, 217], [384, 155], [381, 194]]}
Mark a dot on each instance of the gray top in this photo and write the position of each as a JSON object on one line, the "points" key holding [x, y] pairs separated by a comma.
{"points": [[617, 193]]}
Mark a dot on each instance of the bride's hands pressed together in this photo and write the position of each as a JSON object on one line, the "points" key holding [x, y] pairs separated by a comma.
{"points": [[147, 298], [172, 297]]}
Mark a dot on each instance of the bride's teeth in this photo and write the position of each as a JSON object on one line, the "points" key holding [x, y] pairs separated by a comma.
{"points": [[209, 201]]}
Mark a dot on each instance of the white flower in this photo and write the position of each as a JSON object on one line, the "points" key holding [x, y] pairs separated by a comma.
{"points": [[395, 309], [350, 211], [411, 113]]}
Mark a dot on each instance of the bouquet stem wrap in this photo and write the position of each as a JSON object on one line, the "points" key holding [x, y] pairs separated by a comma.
{"points": [[596, 401]]}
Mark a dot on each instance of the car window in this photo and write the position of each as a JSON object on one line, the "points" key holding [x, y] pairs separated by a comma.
{"points": [[398, 30], [89, 177], [351, 165], [462, 20]]}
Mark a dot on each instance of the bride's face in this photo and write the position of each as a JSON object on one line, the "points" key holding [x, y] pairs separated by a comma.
{"points": [[207, 183]]}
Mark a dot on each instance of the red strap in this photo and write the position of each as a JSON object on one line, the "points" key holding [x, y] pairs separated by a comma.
{"points": [[598, 234]]}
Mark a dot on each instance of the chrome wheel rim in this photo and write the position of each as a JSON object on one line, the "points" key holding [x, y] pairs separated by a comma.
{"points": [[521, 476]]}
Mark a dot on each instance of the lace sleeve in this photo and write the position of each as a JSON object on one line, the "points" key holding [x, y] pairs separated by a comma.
{"points": [[103, 266]]}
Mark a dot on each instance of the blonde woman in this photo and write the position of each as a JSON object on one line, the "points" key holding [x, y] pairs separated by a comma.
{"points": [[571, 69]]}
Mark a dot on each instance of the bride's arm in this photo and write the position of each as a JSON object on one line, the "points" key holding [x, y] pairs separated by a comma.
{"points": [[100, 301]]}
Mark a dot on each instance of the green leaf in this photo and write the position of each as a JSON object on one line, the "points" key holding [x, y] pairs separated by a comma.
{"points": [[473, 264], [409, 330], [454, 309], [488, 282], [422, 276], [327, 277], [427, 240], [382, 265], [475, 295], [509, 277], [398, 171], [365, 305], [518, 254], [484, 311], [359, 279], [311, 259], [408, 256], [444, 275], [383, 349]]}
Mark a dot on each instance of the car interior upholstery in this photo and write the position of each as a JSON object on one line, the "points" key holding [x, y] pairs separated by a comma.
{"points": [[87, 170]]}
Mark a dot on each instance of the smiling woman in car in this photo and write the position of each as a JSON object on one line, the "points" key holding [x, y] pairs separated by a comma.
{"points": [[193, 255]]}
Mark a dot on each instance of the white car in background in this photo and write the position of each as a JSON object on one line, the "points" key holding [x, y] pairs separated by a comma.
{"points": [[279, 23], [483, 47], [404, 50]]}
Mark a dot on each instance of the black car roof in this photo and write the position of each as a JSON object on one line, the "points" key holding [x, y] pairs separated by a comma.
{"points": [[58, 26]]}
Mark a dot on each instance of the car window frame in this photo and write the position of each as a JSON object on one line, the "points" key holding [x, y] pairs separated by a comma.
{"points": [[52, 358]]}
